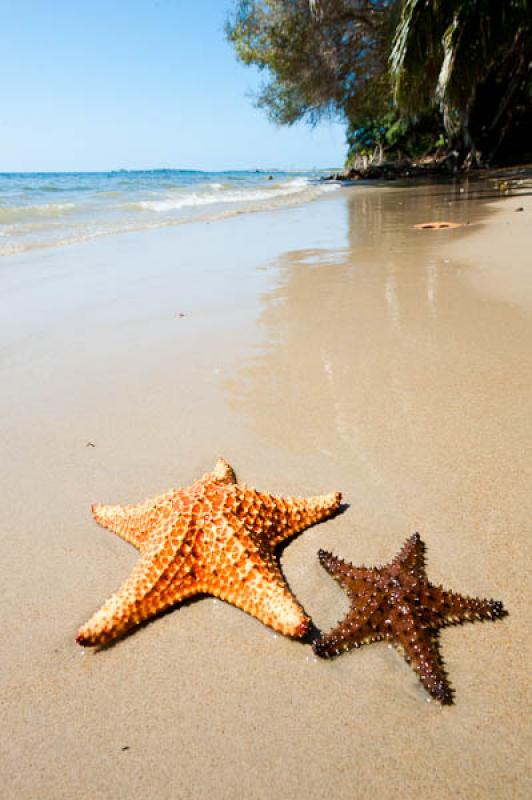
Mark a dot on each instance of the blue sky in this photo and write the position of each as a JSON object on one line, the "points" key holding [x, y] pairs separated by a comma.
{"points": [[97, 85]]}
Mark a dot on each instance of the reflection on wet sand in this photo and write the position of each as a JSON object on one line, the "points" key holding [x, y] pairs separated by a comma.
{"points": [[381, 358]]}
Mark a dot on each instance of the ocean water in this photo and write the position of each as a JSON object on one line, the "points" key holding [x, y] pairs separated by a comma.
{"points": [[40, 210]]}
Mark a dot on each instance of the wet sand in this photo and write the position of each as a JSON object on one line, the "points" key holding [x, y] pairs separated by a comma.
{"points": [[328, 346]]}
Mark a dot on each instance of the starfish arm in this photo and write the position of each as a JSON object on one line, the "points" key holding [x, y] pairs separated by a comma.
{"points": [[162, 577], [269, 601], [420, 649], [222, 473], [134, 522], [246, 575], [128, 522], [279, 518], [450, 608], [412, 555], [354, 580], [361, 626]]}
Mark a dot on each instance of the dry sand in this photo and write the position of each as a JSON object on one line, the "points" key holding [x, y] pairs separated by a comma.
{"points": [[324, 347]]}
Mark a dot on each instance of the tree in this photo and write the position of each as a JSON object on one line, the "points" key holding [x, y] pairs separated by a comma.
{"points": [[401, 73], [329, 60], [474, 58]]}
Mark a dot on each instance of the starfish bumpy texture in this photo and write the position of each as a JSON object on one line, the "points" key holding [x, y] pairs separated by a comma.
{"points": [[215, 537], [397, 603]]}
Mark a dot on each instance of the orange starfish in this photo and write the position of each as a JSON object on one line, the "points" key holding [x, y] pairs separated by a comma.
{"points": [[215, 537]]}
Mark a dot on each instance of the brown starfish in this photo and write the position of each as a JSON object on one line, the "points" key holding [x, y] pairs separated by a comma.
{"points": [[215, 537], [397, 603]]}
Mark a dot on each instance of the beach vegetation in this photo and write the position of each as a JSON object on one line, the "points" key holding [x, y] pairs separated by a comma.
{"points": [[409, 78], [334, 66], [473, 60]]}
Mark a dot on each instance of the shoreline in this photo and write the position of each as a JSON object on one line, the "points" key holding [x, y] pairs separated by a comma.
{"points": [[40, 211], [327, 346], [443, 168]]}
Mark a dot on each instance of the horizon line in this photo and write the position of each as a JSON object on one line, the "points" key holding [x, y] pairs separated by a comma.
{"points": [[161, 169]]}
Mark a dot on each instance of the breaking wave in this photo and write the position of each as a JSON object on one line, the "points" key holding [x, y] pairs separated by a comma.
{"points": [[90, 205]]}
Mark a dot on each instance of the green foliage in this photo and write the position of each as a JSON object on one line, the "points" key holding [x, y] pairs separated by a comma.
{"points": [[471, 56], [332, 66], [407, 76], [395, 137]]}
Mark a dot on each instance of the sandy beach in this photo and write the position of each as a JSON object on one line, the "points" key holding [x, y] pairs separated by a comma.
{"points": [[326, 346]]}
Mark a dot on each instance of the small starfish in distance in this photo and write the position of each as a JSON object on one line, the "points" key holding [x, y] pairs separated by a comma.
{"points": [[215, 537], [397, 603]]}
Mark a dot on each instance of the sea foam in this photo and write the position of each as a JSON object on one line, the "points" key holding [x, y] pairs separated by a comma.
{"points": [[89, 205]]}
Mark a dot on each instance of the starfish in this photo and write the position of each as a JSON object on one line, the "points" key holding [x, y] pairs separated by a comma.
{"points": [[396, 602], [215, 537], [438, 226]]}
